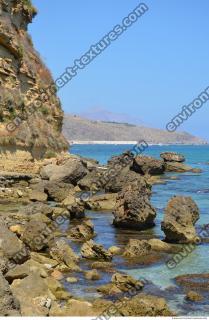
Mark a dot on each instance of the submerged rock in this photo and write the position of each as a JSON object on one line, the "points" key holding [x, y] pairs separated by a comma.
{"points": [[194, 296], [194, 281], [180, 217], [92, 275], [133, 210]]}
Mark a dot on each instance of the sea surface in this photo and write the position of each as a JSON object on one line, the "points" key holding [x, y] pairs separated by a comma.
{"points": [[187, 184]]}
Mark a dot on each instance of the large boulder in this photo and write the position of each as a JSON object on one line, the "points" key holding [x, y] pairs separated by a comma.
{"points": [[148, 165], [115, 180], [102, 202], [58, 191], [181, 214], [123, 160], [33, 294], [92, 250], [37, 234], [172, 166], [137, 248], [172, 156], [62, 252], [12, 248], [133, 210], [140, 248], [9, 306], [70, 172], [37, 207]]}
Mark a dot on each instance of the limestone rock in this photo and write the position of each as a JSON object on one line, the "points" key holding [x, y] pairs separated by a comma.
{"points": [[82, 232], [137, 248], [27, 89], [194, 296], [92, 250], [148, 165], [172, 157], [9, 305], [121, 283], [92, 275], [70, 172], [132, 210], [102, 202], [181, 214], [37, 235], [146, 306], [57, 191], [11, 246], [63, 253], [31, 292]]}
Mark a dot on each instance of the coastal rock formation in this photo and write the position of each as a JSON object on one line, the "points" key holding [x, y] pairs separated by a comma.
{"points": [[30, 112], [148, 165], [181, 214], [133, 210], [172, 156]]}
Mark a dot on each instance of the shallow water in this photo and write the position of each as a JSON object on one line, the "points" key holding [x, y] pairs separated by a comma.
{"points": [[188, 184]]}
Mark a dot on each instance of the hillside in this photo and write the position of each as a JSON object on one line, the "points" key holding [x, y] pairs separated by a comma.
{"points": [[80, 129]]}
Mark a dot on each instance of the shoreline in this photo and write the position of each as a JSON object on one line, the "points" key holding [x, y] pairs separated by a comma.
{"points": [[112, 142]]}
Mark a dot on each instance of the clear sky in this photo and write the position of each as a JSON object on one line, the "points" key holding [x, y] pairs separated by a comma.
{"points": [[158, 65]]}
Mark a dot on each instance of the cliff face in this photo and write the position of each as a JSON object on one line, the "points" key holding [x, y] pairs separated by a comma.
{"points": [[23, 77]]}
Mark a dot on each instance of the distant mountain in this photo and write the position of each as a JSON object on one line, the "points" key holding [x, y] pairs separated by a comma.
{"points": [[100, 114], [76, 128]]}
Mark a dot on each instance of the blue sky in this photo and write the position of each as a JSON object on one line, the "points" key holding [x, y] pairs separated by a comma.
{"points": [[158, 65]]}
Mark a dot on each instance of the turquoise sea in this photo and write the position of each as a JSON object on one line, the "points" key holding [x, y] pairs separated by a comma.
{"points": [[188, 184]]}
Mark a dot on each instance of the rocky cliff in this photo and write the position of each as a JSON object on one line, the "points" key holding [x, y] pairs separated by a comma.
{"points": [[23, 78]]}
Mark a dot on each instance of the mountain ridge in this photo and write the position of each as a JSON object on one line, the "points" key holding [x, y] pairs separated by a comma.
{"points": [[76, 128]]}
